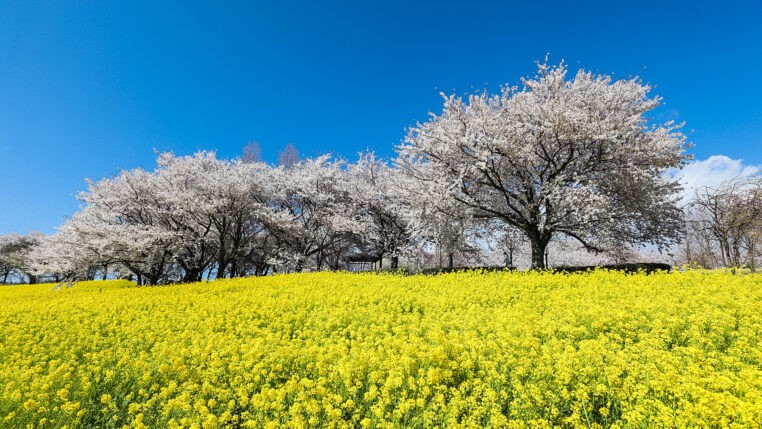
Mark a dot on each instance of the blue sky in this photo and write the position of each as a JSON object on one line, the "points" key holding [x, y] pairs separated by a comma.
{"points": [[89, 88]]}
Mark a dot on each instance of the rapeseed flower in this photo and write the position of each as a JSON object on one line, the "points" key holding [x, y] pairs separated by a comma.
{"points": [[511, 349]]}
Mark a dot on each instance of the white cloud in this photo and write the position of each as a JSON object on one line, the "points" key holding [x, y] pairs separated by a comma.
{"points": [[712, 172]]}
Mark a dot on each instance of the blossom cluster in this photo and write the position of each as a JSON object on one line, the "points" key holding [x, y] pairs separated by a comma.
{"points": [[472, 349]]}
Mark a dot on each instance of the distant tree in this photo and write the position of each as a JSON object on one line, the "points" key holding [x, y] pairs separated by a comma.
{"points": [[77, 249], [8, 260], [450, 234], [437, 221], [252, 152], [725, 224], [508, 240], [288, 156], [15, 256], [382, 202], [577, 158], [315, 196]]}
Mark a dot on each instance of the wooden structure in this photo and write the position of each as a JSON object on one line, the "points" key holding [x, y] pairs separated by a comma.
{"points": [[360, 262]]}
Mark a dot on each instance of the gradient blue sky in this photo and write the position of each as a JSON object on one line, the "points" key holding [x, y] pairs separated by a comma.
{"points": [[89, 88]]}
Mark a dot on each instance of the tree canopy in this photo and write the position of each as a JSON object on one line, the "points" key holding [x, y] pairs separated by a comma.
{"points": [[576, 157]]}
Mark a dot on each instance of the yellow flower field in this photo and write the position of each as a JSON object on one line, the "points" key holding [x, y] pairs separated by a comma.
{"points": [[472, 349]]}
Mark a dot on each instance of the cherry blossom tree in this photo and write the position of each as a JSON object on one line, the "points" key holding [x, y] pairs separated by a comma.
{"points": [[435, 220], [192, 215], [315, 195], [131, 231], [80, 247], [16, 256], [219, 207], [575, 157], [382, 198]]}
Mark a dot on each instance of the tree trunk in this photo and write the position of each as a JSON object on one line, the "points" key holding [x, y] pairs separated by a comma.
{"points": [[319, 261], [191, 276], [222, 260], [153, 279], [234, 268], [751, 250], [725, 250], [105, 272], [539, 243], [737, 254], [221, 266], [450, 262], [395, 262], [260, 269]]}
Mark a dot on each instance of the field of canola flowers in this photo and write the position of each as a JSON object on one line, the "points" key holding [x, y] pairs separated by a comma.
{"points": [[471, 349]]}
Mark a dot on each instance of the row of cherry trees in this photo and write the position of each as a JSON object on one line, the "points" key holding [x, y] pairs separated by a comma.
{"points": [[560, 158], [198, 215]]}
